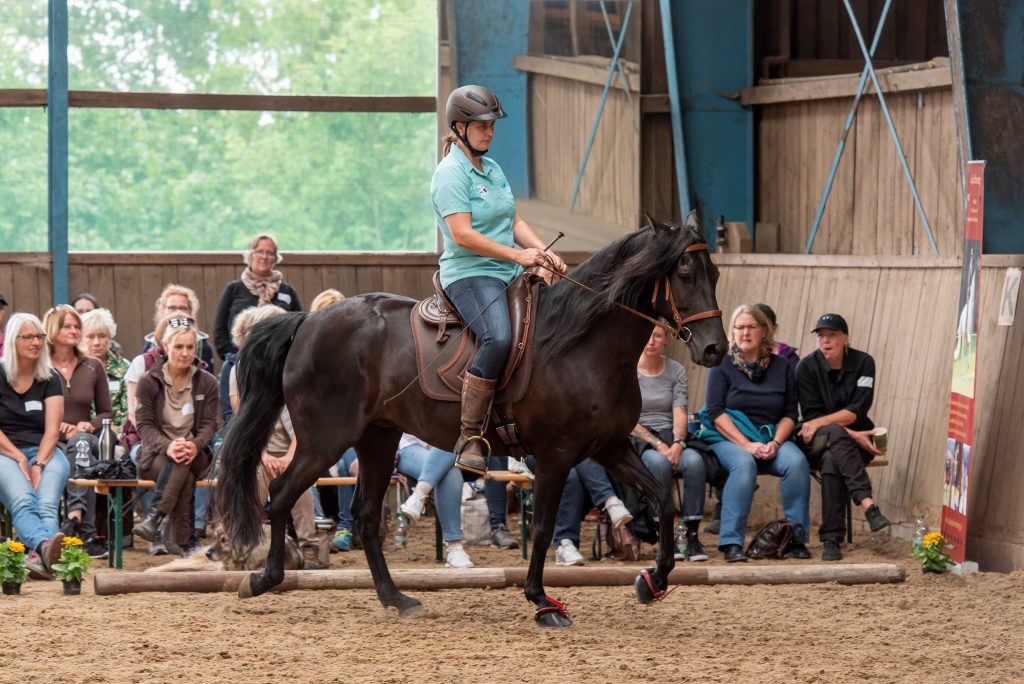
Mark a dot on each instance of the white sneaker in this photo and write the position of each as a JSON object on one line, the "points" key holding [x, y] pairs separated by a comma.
{"points": [[566, 554], [617, 511], [457, 557], [415, 505]]}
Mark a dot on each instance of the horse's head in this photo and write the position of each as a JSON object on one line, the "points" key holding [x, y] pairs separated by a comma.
{"points": [[689, 302]]}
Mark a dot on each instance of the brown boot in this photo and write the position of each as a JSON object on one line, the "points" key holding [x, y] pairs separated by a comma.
{"points": [[472, 450]]}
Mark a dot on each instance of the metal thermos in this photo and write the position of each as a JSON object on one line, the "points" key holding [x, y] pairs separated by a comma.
{"points": [[108, 440]]}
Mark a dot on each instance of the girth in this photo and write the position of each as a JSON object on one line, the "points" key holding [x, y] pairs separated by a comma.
{"points": [[443, 355]]}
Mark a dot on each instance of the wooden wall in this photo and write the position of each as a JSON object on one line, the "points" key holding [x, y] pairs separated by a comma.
{"points": [[870, 209], [561, 117], [902, 311]]}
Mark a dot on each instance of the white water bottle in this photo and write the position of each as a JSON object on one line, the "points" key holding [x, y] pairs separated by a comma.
{"points": [[107, 441], [680, 535], [920, 531], [401, 530], [81, 455]]}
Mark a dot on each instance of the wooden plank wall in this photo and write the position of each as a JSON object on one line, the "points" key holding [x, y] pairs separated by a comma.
{"points": [[561, 117], [902, 311], [870, 209]]}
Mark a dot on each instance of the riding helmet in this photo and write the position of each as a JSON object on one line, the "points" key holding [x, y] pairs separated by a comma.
{"points": [[472, 103]]}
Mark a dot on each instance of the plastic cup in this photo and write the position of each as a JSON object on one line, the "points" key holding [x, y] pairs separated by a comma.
{"points": [[880, 438]]}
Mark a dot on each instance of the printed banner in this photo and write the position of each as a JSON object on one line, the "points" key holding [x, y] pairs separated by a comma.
{"points": [[965, 361]]}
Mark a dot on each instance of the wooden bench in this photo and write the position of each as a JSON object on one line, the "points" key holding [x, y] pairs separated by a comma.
{"points": [[114, 491], [878, 462]]}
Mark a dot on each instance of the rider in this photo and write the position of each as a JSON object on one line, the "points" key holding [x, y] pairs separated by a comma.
{"points": [[476, 214]]}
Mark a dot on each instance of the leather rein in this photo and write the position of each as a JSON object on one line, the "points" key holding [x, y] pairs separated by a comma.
{"points": [[680, 331]]}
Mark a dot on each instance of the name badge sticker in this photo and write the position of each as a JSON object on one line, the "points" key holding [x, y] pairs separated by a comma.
{"points": [[114, 386], [33, 406], [284, 297], [865, 381], [187, 409]]}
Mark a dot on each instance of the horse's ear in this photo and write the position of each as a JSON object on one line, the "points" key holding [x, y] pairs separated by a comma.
{"points": [[649, 221], [692, 220]]}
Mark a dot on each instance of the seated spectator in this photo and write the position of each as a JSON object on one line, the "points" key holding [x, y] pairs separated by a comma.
{"points": [[84, 303], [86, 404], [98, 330], [434, 471], [496, 495], [660, 436], [325, 299], [178, 300], [33, 469], [750, 415], [837, 387], [3, 318], [280, 448], [176, 416], [781, 348], [260, 284], [586, 479]]}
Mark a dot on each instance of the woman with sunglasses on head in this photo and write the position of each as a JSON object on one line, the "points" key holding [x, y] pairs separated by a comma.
{"points": [[177, 414], [749, 419], [33, 469], [86, 403], [477, 217], [260, 283]]}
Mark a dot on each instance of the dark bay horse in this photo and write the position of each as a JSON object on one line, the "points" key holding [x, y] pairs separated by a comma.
{"points": [[338, 371]]}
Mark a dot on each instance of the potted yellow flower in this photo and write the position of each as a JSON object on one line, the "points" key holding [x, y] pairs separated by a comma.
{"points": [[72, 565], [12, 566], [933, 554]]}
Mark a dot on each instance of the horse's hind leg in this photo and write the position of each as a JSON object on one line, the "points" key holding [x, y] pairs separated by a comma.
{"points": [[376, 450], [623, 463], [551, 475]]}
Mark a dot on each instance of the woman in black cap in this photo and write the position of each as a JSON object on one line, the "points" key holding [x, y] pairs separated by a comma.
{"points": [[836, 388]]}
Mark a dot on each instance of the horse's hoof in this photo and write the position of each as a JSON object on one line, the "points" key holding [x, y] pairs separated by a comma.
{"points": [[246, 588], [645, 591], [412, 610], [554, 619]]}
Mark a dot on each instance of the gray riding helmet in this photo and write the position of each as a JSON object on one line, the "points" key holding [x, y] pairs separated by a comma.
{"points": [[472, 103]]}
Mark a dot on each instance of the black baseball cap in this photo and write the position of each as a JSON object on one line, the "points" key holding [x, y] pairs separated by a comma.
{"points": [[832, 321], [3, 300]]}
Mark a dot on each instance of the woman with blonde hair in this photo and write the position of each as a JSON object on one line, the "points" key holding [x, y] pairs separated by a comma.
{"points": [[178, 300], [33, 469], [749, 420], [325, 299]]}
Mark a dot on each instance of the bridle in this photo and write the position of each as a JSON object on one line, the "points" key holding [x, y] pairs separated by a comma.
{"points": [[680, 331]]}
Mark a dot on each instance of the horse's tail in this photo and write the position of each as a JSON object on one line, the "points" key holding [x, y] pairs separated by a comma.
{"points": [[260, 371]]}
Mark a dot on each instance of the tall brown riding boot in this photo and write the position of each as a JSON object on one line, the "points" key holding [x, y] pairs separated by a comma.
{"points": [[472, 450]]}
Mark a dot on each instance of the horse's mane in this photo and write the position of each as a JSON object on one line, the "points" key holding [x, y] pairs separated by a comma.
{"points": [[621, 272]]}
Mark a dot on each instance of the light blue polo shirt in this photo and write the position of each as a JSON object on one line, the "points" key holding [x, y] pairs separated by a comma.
{"points": [[459, 187]]}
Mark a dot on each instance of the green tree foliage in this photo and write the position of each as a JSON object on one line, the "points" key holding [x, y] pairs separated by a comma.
{"points": [[181, 180]]}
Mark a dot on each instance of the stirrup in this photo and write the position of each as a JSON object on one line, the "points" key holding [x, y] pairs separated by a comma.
{"points": [[468, 467]]}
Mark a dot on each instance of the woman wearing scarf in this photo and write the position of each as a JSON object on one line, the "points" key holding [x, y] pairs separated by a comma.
{"points": [[260, 284], [749, 418]]}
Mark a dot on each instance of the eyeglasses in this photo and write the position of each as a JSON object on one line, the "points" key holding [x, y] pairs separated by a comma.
{"points": [[38, 337], [182, 322], [264, 253], [745, 328]]}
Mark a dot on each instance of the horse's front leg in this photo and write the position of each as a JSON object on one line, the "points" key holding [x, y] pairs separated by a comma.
{"points": [[547, 492], [624, 464]]}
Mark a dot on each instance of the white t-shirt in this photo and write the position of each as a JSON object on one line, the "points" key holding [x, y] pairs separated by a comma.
{"points": [[136, 369]]}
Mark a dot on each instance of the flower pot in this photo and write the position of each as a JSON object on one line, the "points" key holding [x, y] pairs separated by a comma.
{"points": [[72, 587], [11, 588]]}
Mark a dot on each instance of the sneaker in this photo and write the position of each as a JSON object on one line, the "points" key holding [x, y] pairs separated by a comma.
{"points": [[695, 550], [831, 551], [503, 539], [157, 548], [167, 538], [876, 521], [617, 511], [36, 567], [72, 527], [50, 550], [797, 551], [733, 553], [713, 527], [343, 539], [415, 505], [456, 557], [567, 555], [311, 558], [680, 553], [95, 549]]}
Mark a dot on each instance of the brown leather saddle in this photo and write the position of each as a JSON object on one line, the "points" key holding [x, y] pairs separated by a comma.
{"points": [[444, 352]]}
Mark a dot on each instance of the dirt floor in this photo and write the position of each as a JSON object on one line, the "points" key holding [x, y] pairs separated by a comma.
{"points": [[930, 628]]}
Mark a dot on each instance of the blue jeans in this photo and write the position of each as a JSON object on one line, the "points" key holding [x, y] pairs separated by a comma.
{"points": [[437, 467], [34, 511], [481, 302], [789, 463], [694, 472], [345, 492], [225, 389], [587, 478], [496, 493]]}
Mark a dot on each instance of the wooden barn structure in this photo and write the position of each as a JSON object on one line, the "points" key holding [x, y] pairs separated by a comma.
{"points": [[763, 91]]}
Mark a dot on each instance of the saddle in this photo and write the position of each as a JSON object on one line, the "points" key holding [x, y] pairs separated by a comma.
{"points": [[444, 352]]}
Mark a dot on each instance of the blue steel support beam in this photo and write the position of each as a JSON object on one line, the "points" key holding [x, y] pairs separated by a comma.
{"points": [[892, 128], [600, 107], [57, 132], [846, 132], [675, 104]]}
